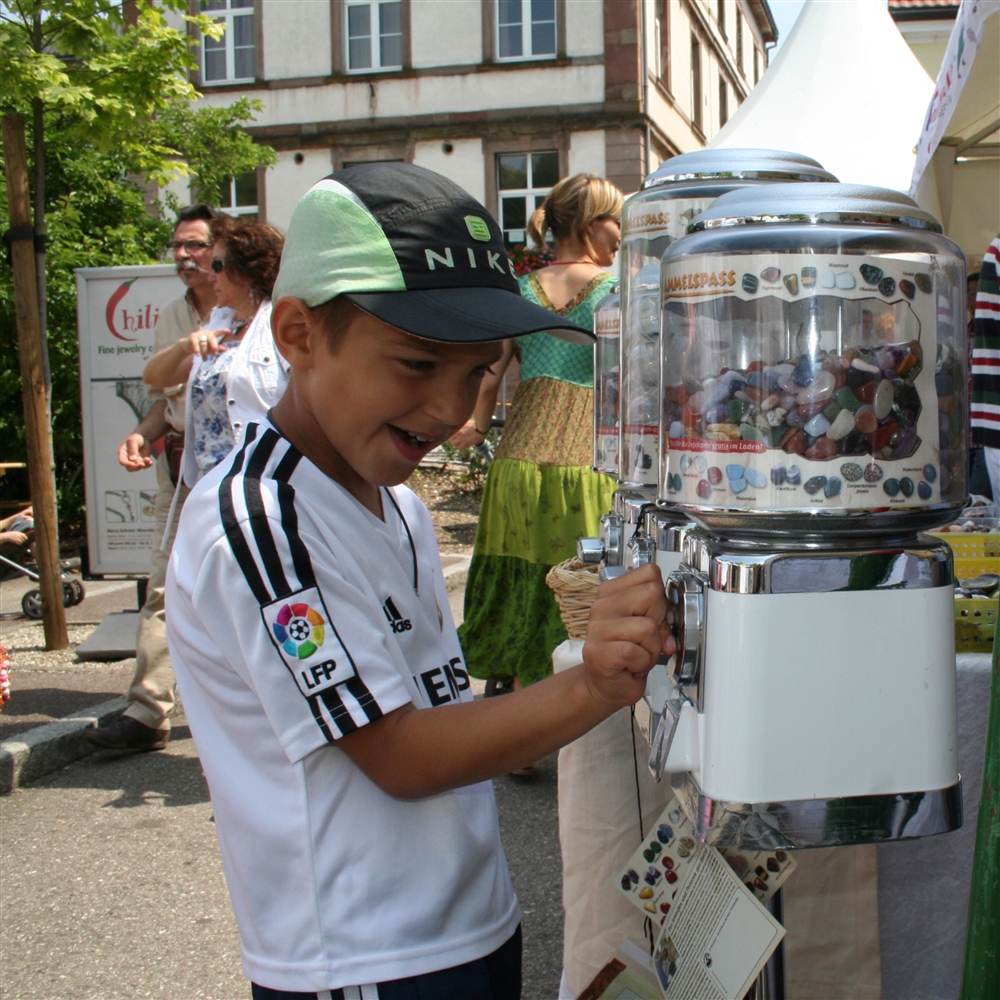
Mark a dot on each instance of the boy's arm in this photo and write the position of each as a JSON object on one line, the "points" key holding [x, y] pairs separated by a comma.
{"points": [[413, 753]]}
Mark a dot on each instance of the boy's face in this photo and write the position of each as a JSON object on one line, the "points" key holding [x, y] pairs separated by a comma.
{"points": [[369, 408]]}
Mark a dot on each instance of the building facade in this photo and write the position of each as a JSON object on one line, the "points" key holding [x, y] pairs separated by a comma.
{"points": [[926, 25], [503, 96]]}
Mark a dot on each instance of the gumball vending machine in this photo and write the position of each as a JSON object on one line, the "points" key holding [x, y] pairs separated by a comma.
{"points": [[651, 220], [814, 404], [636, 531]]}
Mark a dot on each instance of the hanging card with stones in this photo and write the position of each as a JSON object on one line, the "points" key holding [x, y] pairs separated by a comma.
{"points": [[798, 381], [656, 871], [717, 937]]}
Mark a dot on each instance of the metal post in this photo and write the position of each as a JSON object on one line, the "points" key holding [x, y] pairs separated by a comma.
{"points": [[981, 975]]}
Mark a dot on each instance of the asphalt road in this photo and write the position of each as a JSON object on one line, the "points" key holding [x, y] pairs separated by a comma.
{"points": [[112, 886]]}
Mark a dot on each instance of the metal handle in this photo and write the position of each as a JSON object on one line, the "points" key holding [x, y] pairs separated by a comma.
{"points": [[640, 550], [611, 536], [686, 593], [590, 551]]}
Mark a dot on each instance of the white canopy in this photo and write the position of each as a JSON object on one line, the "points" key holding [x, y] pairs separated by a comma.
{"points": [[844, 89], [957, 173]]}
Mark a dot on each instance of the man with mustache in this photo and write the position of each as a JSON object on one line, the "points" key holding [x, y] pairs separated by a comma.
{"points": [[145, 724]]}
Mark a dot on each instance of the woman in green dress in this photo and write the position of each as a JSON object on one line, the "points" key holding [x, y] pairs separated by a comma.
{"points": [[541, 494]]}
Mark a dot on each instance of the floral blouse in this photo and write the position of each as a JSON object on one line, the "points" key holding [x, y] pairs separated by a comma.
{"points": [[213, 433]]}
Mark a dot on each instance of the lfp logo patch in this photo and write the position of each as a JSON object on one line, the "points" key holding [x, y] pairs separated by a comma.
{"points": [[299, 630], [305, 636]]}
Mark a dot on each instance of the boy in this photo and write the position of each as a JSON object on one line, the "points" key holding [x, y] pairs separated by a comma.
{"points": [[309, 621]]}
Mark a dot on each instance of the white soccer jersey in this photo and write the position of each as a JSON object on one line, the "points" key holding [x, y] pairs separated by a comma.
{"points": [[296, 616]]}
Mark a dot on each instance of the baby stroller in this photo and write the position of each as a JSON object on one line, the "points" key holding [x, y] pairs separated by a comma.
{"points": [[31, 603]]}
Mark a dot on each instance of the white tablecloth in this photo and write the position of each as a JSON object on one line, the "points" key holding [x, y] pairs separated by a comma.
{"points": [[923, 885]]}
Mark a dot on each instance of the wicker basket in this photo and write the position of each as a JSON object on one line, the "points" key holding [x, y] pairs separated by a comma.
{"points": [[575, 586]]}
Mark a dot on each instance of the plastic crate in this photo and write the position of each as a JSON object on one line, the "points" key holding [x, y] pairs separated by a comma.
{"points": [[975, 624], [975, 552]]}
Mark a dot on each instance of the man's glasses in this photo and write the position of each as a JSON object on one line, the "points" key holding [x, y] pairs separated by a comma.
{"points": [[191, 246]]}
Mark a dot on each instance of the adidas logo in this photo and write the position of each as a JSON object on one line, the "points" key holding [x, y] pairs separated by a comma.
{"points": [[395, 619]]}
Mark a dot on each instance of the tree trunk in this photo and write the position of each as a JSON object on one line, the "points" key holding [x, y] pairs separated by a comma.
{"points": [[38, 127], [36, 419]]}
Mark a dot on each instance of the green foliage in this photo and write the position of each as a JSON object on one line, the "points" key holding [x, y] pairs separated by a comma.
{"points": [[117, 107], [213, 144], [97, 217], [477, 460], [107, 78]]}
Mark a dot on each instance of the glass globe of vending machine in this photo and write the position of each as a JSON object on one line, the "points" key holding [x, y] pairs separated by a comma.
{"points": [[636, 531], [652, 220], [607, 381], [814, 401]]}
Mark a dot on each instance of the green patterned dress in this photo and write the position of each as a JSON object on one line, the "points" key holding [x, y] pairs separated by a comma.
{"points": [[541, 495]]}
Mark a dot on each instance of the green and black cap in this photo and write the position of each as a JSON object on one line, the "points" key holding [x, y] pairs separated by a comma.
{"points": [[413, 249]]}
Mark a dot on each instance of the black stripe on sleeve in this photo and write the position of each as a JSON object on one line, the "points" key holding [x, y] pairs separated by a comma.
{"points": [[318, 716], [369, 705], [335, 705], [259, 522], [234, 533], [290, 518]]}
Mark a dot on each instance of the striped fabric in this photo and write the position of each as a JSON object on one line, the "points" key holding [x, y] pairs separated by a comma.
{"points": [[986, 353], [278, 552]]}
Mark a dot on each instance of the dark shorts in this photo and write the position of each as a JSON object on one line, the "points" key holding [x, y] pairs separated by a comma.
{"points": [[495, 977]]}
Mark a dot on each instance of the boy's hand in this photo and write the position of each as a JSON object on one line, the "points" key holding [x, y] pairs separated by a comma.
{"points": [[627, 634]]}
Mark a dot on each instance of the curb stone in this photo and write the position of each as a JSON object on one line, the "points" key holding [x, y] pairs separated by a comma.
{"points": [[47, 748], [457, 573]]}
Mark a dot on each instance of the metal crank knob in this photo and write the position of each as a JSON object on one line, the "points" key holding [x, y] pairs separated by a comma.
{"points": [[685, 591], [590, 551]]}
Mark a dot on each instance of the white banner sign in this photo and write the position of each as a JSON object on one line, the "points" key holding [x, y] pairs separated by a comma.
{"points": [[117, 312], [966, 37]]}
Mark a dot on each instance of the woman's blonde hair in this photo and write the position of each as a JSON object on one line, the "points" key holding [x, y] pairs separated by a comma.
{"points": [[572, 205]]}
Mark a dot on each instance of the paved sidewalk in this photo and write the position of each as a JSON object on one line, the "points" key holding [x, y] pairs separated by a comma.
{"points": [[111, 878], [49, 690], [112, 884]]}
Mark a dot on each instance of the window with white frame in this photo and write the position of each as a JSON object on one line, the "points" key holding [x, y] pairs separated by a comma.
{"points": [[523, 181], [231, 58], [526, 29], [238, 195], [374, 35]]}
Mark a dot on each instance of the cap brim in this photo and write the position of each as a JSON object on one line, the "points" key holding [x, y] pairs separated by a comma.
{"points": [[467, 315]]}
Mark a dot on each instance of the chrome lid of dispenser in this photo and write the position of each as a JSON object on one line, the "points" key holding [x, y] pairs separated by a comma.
{"points": [[737, 164], [814, 203], [796, 567]]}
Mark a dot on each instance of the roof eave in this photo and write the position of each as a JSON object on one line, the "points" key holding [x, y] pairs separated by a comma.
{"points": [[765, 20]]}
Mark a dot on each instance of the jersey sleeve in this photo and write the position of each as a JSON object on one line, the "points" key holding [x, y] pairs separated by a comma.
{"points": [[302, 635]]}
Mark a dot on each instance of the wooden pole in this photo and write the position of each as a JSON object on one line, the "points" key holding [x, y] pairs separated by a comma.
{"points": [[41, 465]]}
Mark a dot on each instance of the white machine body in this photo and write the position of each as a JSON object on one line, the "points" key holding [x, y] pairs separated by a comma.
{"points": [[827, 695], [812, 697]]}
